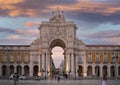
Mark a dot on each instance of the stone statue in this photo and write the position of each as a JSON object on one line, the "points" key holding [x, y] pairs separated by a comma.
{"points": [[57, 16]]}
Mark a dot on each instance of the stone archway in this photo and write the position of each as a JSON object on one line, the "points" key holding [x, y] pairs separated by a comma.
{"points": [[19, 69], [80, 71], [26, 70], [119, 71], [112, 71], [11, 69], [105, 70], [60, 43], [35, 70], [97, 71], [4, 70], [89, 71]]}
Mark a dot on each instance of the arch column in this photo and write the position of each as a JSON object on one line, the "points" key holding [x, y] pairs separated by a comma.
{"points": [[67, 62], [72, 63], [101, 71], [83, 53], [40, 64], [109, 71], [0, 70], [31, 66], [48, 64], [15, 68], [93, 70], [22, 67], [116, 70]]}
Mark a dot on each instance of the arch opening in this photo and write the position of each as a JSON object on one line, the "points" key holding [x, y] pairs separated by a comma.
{"points": [[57, 55]]}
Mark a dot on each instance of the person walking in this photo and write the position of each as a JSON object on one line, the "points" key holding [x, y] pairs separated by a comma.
{"points": [[58, 78], [104, 80]]}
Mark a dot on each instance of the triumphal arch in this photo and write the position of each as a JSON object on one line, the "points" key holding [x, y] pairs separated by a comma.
{"points": [[58, 32]]}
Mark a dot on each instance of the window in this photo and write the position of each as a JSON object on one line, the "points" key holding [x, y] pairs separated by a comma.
{"points": [[97, 57], [19, 58], [26, 57], [4, 57], [35, 58], [11, 57], [105, 57], [89, 57], [80, 59]]}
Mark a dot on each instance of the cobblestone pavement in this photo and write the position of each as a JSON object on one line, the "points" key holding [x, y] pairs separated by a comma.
{"points": [[62, 82]]}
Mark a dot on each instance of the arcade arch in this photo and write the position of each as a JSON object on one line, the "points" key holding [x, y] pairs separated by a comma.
{"points": [[55, 46]]}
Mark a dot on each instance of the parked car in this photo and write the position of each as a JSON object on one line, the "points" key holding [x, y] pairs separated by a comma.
{"points": [[22, 77], [11, 76]]}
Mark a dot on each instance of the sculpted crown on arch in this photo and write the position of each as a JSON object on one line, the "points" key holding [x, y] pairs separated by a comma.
{"points": [[57, 28], [57, 16]]}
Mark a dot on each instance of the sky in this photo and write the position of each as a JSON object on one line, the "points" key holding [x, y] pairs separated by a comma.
{"points": [[98, 21]]}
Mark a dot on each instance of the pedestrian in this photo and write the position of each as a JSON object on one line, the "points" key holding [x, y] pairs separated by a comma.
{"points": [[104, 80], [58, 78]]}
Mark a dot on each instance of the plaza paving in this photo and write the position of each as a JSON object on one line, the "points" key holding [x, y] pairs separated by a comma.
{"points": [[62, 82]]}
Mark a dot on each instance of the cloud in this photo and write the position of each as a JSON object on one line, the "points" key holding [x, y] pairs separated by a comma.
{"points": [[15, 41], [29, 32], [115, 40], [105, 34], [13, 37], [103, 37], [31, 24], [21, 32], [85, 10], [7, 30]]}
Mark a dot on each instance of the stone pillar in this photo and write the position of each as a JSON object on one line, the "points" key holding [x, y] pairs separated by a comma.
{"points": [[76, 63], [101, 71], [43, 61], [15, 69], [70, 66], [48, 63], [116, 72], [38, 62], [67, 62], [31, 66], [31, 71], [93, 70], [108, 72], [0, 70], [22, 70], [83, 53], [72, 63]]}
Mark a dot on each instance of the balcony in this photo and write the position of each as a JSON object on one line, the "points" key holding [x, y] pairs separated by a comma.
{"points": [[105, 62], [19, 62], [4, 61], [35, 62], [112, 62], [11, 61], [26, 62], [97, 62], [89, 62], [80, 62]]}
